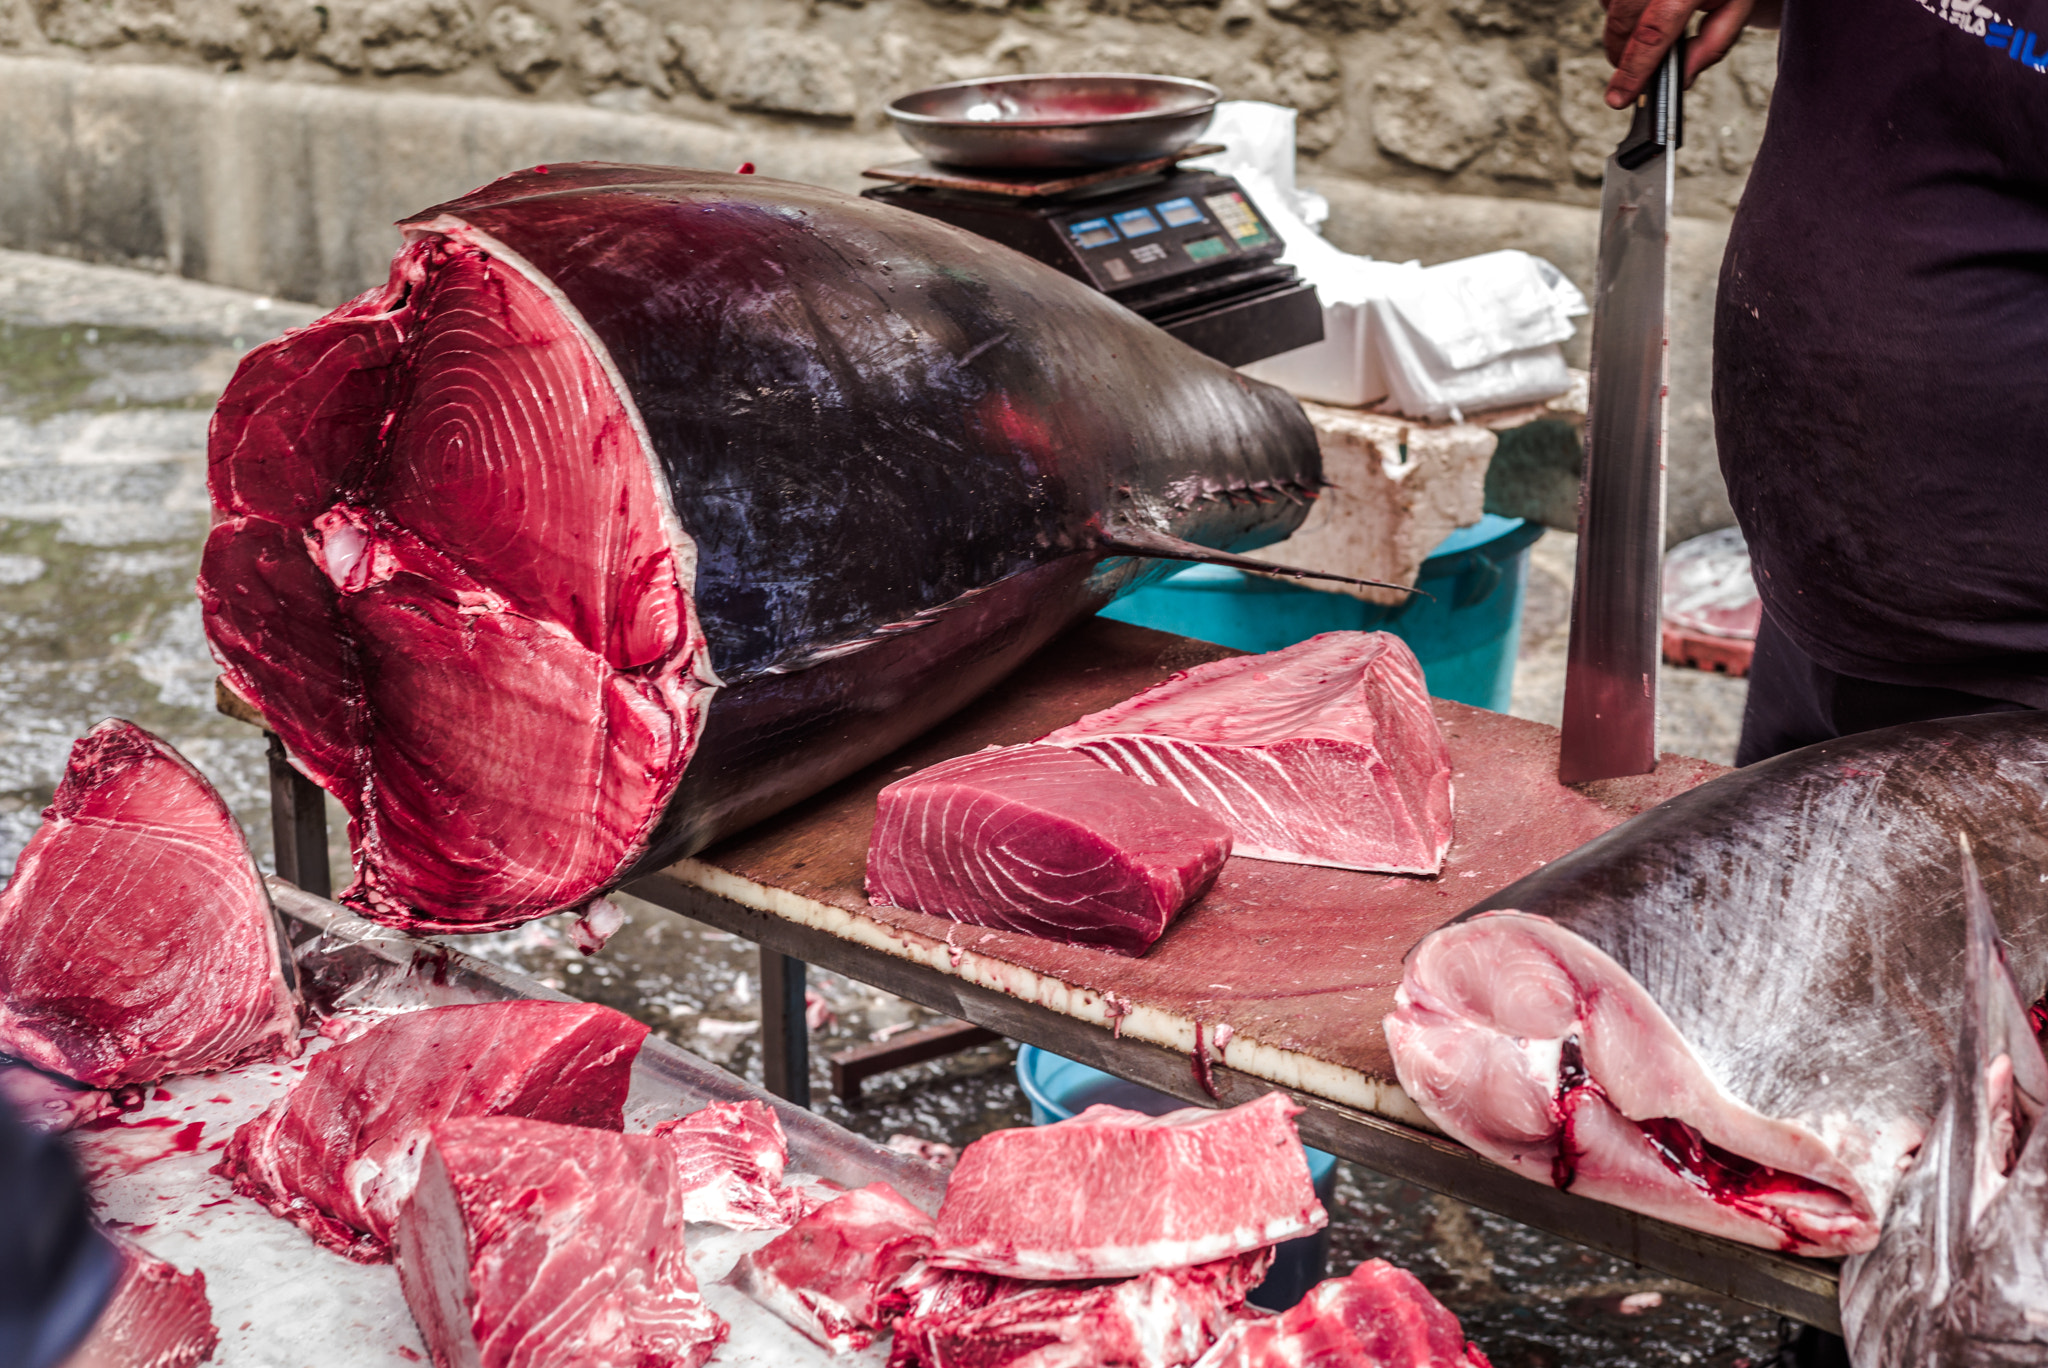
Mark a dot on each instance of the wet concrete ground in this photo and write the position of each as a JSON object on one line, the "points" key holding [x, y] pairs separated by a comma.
{"points": [[106, 380]]}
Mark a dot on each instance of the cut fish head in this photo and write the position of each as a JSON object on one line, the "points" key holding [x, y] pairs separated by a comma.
{"points": [[1960, 1274]]}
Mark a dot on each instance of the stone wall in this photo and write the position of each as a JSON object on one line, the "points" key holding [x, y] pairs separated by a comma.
{"points": [[268, 143]]}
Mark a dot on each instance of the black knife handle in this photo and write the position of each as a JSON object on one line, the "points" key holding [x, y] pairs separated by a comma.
{"points": [[1659, 125]]}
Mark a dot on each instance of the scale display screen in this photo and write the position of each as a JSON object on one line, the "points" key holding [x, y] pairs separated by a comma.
{"points": [[1137, 222], [1093, 233], [1179, 213]]}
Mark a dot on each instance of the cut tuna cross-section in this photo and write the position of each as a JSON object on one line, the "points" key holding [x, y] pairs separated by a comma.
{"points": [[527, 1243], [729, 1161], [136, 939], [830, 1274], [1033, 839], [1379, 1317], [1324, 753], [157, 1317], [340, 1152], [1114, 1193]]}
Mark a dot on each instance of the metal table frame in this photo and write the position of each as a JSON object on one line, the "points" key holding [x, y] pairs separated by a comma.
{"points": [[1805, 1289]]}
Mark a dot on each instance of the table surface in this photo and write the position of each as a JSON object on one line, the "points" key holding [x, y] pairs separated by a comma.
{"points": [[1300, 962]]}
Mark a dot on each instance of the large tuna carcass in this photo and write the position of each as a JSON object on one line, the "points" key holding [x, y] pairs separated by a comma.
{"points": [[641, 503]]}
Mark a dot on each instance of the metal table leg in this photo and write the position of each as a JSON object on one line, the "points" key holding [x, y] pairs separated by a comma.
{"points": [[298, 824], [785, 1036]]}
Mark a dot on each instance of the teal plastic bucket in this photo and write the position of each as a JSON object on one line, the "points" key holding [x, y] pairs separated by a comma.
{"points": [[1059, 1087], [1465, 634]]}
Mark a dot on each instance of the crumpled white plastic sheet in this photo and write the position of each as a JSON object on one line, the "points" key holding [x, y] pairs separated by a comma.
{"points": [[1435, 342]]}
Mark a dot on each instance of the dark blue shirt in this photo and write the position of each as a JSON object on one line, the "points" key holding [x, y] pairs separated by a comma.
{"points": [[1881, 343]]}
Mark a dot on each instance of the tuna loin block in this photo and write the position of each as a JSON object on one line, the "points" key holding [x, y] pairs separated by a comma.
{"points": [[136, 940], [1114, 1193], [156, 1318], [1160, 1320], [1032, 839], [338, 1155], [830, 1274], [1379, 1317], [729, 1160], [1325, 753], [531, 1243]]}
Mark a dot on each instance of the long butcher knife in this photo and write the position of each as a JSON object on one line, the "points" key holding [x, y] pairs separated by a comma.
{"points": [[1610, 682]]}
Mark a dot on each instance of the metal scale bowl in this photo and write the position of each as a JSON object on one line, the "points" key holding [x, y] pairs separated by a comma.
{"points": [[1083, 172]]}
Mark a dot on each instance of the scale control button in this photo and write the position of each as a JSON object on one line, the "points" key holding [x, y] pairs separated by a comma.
{"points": [[1116, 268], [1179, 213], [1207, 248], [1148, 252], [1236, 214], [1137, 222], [1093, 233]]}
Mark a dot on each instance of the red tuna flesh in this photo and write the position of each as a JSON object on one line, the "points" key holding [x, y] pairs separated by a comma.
{"points": [[136, 938], [1113, 1193], [1325, 753], [641, 503], [528, 1243], [830, 1273], [340, 1152], [156, 1318], [729, 1160], [1033, 839], [1162, 1319], [1379, 1317], [50, 1104]]}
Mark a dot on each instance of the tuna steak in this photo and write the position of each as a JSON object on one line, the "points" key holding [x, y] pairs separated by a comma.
{"points": [[1113, 1193], [1379, 1317], [1736, 1011], [529, 1243], [1325, 753], [1163, 1319], [339, 1153], [729, 1159], [1033, 839], [1959, 1279], [831, 1274], [157, 1317], [641, 503], [136, 939]]}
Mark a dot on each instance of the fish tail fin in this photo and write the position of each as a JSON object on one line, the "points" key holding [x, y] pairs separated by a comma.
{"points": [[1131, 539]]}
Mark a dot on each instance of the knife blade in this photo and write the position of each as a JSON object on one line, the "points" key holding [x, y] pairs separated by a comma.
{"points": [[1610, 682]]}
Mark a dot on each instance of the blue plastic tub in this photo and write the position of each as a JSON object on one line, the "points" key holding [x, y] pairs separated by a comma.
{"points": [[1466, 634], [1059, 1087]]}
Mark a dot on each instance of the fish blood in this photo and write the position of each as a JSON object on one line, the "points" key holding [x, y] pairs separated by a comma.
{"points": [[1324, 753], [340, 1152], [1731, 1012], [136, 938], [831, 1274], [526, 1242], [1113, 1193], [729, 1159], [641, 503], [1379, 1317], [1034, 839], [1161, 1319]]}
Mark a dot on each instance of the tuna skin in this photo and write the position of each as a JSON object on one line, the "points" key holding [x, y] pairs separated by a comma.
{"points": [[136, 938], [1034, 839], [1324, 753], [1735, 1011], [340, 1152], [1113, 1193], [527, 1243], [706, 490]]}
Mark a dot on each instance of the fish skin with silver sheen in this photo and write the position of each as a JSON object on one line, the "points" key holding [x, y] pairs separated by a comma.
{"points": [[840, 468], [1959, 1278], [1734, 1011]]}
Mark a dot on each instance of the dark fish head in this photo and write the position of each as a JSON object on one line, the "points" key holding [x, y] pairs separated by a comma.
{"points": [[1960, 1275]]}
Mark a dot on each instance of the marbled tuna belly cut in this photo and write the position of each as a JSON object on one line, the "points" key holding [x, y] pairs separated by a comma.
{"points": [[1038, 840], [1538, 1050]]}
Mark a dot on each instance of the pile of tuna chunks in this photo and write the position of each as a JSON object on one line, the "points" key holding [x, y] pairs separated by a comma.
{"points": [[1103, 832], [481, 1148]]}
